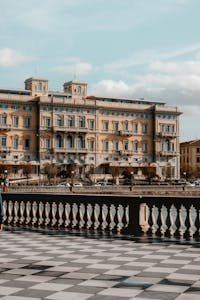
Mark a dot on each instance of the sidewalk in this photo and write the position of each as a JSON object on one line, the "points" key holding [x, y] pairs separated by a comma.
{"points": [[54, 265]]}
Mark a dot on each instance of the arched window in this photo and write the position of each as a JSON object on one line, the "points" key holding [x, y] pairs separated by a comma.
{"points": [[70, 143], [80, 142], [59, 141]]}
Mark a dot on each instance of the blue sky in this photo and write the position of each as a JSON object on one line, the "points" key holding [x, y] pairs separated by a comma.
{"points": [[123, 48]]}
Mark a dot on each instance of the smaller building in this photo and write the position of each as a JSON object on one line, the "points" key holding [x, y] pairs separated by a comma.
{"points": [[190, 159]]}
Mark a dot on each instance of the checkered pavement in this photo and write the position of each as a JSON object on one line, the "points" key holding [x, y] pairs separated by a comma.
{"points": [[41, 265]]}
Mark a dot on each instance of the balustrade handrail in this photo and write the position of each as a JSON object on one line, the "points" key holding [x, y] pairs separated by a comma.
{"points": [[161, 216]]}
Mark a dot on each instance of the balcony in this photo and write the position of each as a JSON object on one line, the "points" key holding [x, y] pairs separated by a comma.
{"points": [[166, 134], [168, 153], [70, 150], [72, 129], [5, 127], [5, 149], [125, 133]]}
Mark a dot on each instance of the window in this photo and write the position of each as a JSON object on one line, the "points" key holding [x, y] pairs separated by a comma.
{"points": [[135, 127], [125, 145], [47, 122], [59, 121], [144, 147], [80, 142], [91, 124], [91, 145], [81, 122], [198, 159], [27, 143], [59, 141], [15, 121], [27, 122], [105, 125], [15, 107], [198, 150], [125, 126], [70, 122], [3, 119], [47, 143], [27, 108], [116, 126], [3, 141], [105, 146], [135, 146], [70, 143], [15, 142], [115, 145], [144, 128]]}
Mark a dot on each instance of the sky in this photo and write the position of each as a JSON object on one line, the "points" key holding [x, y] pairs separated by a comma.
{"points": [[122, 48]]}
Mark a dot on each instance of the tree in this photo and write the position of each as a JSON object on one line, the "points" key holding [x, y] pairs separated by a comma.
{"points": [[27, 170], [50, 170], [115, 171]]}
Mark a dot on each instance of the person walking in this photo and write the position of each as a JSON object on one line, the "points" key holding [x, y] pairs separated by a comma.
{"points": [[1, 213]]}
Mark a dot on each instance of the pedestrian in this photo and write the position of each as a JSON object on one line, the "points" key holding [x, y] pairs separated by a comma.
{"points": [[1, 213]]}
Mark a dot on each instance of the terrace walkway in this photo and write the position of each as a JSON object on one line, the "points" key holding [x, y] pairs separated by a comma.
{"points": [[47, 264]]}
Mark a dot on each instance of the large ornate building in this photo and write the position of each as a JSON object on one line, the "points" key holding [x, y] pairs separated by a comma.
{"points": [[40, 126]]}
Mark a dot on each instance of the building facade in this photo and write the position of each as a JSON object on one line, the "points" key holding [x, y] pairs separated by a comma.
{"points": [[190, 159], [39, 126]]}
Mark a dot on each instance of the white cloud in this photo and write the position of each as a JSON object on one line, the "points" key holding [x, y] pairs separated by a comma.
{"points": [[111, 88], [148, 57], [10, 57], [76, 68], [183, 67]]}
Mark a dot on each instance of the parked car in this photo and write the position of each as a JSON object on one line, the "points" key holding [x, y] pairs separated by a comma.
{"points": [[77, 184], [103, 183]]}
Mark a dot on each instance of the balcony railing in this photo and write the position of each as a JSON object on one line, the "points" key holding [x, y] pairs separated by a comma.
{"points": [[154, 216], [5, 127], [167, 134], [168, 153]]}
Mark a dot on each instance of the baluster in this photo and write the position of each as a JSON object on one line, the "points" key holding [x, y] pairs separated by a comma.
{"points": [[108, 218], [57, 216], [115, 218], [168, 220], [187, 233], [12, 216], [92, 217], [100, 217], [85, 216], [27, 212], [62, 215], [159, 220], [51, 215], [71, 215], [78, 217], [23, 214], [17, 220], [5, 207], [124, 219], [31, 215], [37, 213], [197, 221], [44, 215], [177, 232], [150, 219]]}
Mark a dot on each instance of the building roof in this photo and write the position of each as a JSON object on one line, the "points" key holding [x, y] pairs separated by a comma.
{"points": [[136, 101], [191, 143]]}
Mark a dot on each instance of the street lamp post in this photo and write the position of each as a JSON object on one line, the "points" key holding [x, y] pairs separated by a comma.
{"points": [[5, 181], [72, 181], [132, 180]]}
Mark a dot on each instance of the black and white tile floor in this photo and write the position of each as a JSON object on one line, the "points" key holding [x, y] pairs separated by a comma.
{"points": [[36, 265]]}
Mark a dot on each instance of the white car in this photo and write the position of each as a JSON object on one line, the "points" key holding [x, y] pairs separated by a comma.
{"points": [[77, 184]]}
